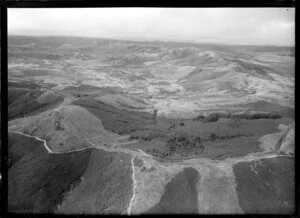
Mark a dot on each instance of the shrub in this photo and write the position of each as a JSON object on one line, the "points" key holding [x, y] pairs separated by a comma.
{"points": [[133, 137], [181, 138], [212, 118], [198, 139], [154, 114], [213, 136], [257, 115], [147, 135], [199, 117], [275, 116], [184, 144], [181, 124], [171, 126], [58, 126]]}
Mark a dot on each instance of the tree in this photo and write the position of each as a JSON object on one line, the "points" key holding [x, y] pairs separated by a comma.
{"points": [[200, 117], [212, 117], [155, 115], [213, 136]]}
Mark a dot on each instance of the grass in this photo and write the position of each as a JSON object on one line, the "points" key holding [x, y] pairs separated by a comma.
{"points": [[116, 120], [217, 135], [23, 103], [180, 195], [270, 189], [107, 186], [35, 55], [23, 84], [40, 181], [15, 93], [37, 179], [284, 111], [229, 137]]}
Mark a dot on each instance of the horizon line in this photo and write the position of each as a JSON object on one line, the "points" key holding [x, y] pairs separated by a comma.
{"points": [[153, 40]]}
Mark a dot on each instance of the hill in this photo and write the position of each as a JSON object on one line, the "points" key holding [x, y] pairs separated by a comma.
{"points": [[42, 182], [105, 126]]}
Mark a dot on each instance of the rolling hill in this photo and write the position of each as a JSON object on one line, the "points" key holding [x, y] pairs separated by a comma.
{"points": [[101, 126]]}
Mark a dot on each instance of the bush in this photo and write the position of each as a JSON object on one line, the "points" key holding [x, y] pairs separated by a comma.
{"points": [[181, 138], [257, 115], [171, 126], [200, 117], [184, 144], [155, 115], [181, 124], [133, 137], [211, 118], [147, 135], [213, 136]]}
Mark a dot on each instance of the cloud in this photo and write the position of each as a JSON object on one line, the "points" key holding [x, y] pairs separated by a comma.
{"points": [[220, 25]]}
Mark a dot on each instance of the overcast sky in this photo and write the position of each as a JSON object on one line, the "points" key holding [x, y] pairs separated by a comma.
{"points": [[260, 26]]}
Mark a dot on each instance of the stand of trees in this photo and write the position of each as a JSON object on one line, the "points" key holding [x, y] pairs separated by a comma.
{"points": [[213, 117]]}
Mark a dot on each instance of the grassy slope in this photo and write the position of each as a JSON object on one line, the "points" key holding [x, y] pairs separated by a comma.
{"points": [[233, 136], [39, 181], [22, 102], [180, 196], [106, 186], [266, 186], [270, 107], [115, 120]]}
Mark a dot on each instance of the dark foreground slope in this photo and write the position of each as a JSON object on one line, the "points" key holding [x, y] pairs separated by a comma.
{"points": [[266, 186], [106, 186], [180, 196], [37, 179], [40, 181]]}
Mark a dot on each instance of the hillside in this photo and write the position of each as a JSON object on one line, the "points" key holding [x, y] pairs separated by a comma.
{"points": [[40, 182], [102, 126], [177, 81]]}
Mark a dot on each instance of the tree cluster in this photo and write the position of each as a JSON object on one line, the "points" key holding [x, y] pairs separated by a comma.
{"points": [[181, 144], [185, 145], [213, 117]]}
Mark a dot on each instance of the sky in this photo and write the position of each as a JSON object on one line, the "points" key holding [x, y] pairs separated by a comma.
{"points": [[247, 26]]}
